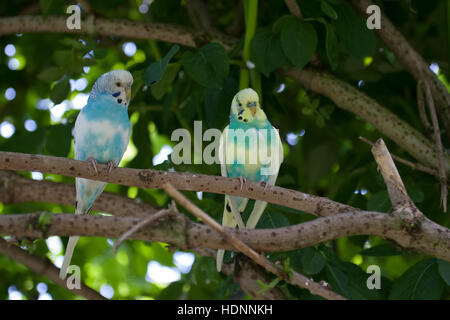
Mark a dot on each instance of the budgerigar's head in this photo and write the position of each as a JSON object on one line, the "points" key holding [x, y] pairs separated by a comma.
{"points": [[117, 83], [245, 106]]}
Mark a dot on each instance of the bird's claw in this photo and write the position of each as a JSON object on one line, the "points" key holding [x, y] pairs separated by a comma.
{"points": [[242, 180], [265, 184], [93, 163], [110, 166]]}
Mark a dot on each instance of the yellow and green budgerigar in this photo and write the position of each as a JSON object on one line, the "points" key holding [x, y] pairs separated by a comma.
{"points": [[250, 149]]}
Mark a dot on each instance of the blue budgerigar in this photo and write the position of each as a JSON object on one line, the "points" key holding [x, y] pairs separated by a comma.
{"points": [[101, 135], [250, 149]]}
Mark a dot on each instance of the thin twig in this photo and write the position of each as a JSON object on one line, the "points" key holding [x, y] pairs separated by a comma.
{"points": [[198, 14], [414, 166], [294, 9], [440, 151], [152, 219], [238, 24], [44, 267], [421, 107], [295, 278], [85, 5]]}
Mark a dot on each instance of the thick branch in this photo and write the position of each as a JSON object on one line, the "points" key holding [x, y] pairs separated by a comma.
{"points": [[44, 267], [396, 189], [411, 60], [295, 278], [119, 28], [412, 165], [428, 237], [351, 99], [15, 189], [183, 181]]}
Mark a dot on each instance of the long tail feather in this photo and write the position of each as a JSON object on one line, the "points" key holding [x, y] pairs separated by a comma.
{"points": [[227, 221], [70, 245]]}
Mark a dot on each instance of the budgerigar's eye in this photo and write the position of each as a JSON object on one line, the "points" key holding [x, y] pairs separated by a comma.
{"points": [[118, 84], [116, 94]]}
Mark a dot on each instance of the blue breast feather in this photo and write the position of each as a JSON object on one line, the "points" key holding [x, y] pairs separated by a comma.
{"points": [[251, 172], [106, 126]]}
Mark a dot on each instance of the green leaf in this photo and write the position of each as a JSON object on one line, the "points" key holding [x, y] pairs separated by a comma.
{"points": [[379, 202], [58, 140], [160, 88], [359, 41], [60, 90], [44, 219], [320, 161], [46, 7], [155, 71], [270, 219], [337, 279], [381, 250], [420, 282], [217, 104], [63, 58], [331, 46], [100, 53], [50, 74], [312, 260], [279, 24], [266, 52], [444, 270], [299, 41], [328, 10], [209, 66], [265, 287], [357, 283], [414, 191]]}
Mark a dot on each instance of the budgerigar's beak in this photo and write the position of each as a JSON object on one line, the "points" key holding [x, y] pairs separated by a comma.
{"points": [[128, 93], [252, 107]]}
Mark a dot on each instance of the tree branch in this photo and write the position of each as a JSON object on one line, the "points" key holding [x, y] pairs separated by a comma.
{"points": [[320, 82], [411, 60], [44, 267], [439, 147], [183, 181], [431, 238], [351, 99], [396, 189], [119, 28], [198, 13], [426, 236], [16, 189], [294, 9], [414, 166]]}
